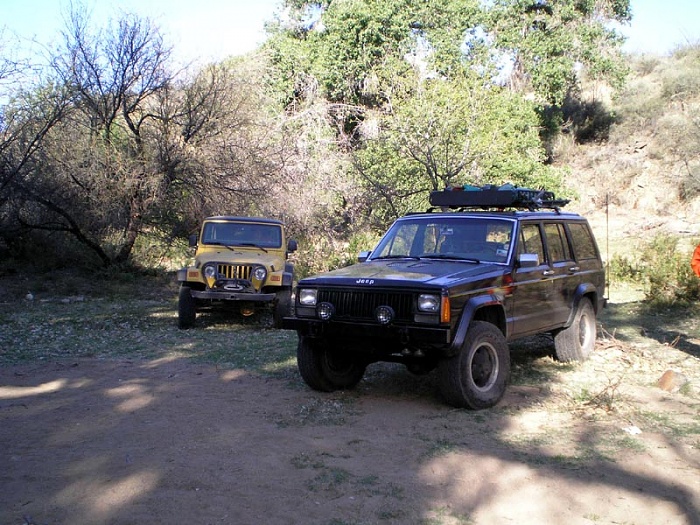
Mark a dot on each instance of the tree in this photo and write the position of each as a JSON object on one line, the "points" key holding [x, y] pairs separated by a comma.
{"points": [[26, 117], [137, 147], [451, 132]]}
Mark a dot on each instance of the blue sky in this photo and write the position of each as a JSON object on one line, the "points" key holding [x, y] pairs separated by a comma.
{"points": [[213, 29]]}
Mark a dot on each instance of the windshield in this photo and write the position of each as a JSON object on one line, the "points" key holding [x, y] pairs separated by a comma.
{"points": [[473, 238], [242, 234]]}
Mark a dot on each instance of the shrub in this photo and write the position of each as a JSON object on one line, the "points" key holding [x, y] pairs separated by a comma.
{"points": [[662, 269], [668, 278]]}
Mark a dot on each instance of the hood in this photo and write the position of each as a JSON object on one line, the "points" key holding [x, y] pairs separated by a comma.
{"points": [[392, 273], [241, 256]]}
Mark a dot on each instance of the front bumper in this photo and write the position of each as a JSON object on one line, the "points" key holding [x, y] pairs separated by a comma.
{"points": [[410, 335], [233, 296]]}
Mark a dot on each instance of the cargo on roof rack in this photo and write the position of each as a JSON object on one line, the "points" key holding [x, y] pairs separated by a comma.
{"points": [[492, 196]]}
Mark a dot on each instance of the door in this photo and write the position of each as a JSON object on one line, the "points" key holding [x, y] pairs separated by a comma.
{"points": [[533, 307]]}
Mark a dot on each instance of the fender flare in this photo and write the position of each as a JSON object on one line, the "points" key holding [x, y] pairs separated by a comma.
{"points": [[468, 314], [288, 275], [582, 290]]}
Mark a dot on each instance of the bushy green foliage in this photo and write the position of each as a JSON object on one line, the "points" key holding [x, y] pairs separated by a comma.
{"points": [[663, 269], [321, 253], [451, 132]]}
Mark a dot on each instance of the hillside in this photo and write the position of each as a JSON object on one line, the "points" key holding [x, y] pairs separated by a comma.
{"points": [[639, 176]]}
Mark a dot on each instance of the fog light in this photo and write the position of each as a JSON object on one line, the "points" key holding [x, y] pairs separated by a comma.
{"points": [[325, 311], [384, 314]]}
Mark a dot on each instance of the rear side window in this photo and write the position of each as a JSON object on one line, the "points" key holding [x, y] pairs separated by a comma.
{"points": [[557, 242], [584, 245]]}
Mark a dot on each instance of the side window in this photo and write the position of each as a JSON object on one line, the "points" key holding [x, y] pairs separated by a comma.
{"points": [[557, 242], [584, 246], [531, 241]]}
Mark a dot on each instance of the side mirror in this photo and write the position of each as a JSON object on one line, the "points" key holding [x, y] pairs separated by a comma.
{"points": [[292, 245], [363, 256], [528, 260], [193, 240]]}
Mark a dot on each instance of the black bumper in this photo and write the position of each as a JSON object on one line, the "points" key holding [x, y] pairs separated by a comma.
{"points": [[234, 296], [406, 334]]}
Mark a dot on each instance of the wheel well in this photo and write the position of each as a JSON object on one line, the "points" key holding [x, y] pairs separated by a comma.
{"points": [[493, 315], [591, 296], [194, 285]]}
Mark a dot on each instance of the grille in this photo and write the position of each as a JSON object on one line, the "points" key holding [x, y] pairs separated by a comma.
{"points": [[229, 271], [361, 305]]}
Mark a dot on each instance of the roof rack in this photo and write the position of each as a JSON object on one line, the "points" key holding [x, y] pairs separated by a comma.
{"points": [[492, 196]]}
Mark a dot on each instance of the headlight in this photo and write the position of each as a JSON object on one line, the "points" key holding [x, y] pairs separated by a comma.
{"points": [[307, 297], [260, 273], [428, 303], [210, 271]]}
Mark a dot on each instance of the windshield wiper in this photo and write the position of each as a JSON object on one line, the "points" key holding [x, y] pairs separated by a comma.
{"points": [[412, 257], [217, 243], [452, 257], [252, 245]]}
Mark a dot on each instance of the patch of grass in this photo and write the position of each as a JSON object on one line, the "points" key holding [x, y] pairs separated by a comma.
{"points": [[134, 328], [445, 515], [329, 479], [335, 410], [668, 424], [438, 447]]}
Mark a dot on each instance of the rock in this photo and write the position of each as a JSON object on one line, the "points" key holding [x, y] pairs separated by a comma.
{"points": [[672, 381]]}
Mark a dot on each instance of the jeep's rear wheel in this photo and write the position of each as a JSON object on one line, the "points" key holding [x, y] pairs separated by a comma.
{"points": [[186, 308], [576, 342], [476, 377], [283, 307], [326, 368]]}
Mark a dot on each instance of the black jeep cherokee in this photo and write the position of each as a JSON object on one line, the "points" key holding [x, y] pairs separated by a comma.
{"points": [[449, 288]]}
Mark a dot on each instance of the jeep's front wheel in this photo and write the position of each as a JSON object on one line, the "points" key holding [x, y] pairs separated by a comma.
{"points": [[282, 308], [477, 375], [186, 308], [576, 342], [326, 368]]}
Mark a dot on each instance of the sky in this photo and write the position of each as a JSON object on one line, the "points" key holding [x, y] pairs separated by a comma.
{"points": [[210, 30]]}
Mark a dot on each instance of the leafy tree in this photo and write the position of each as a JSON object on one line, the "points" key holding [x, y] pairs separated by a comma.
{"points": [[451, 132], [549, 43]]}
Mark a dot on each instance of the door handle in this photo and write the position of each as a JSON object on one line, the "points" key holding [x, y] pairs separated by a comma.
{"points": [[574, 269], [548, 272]]}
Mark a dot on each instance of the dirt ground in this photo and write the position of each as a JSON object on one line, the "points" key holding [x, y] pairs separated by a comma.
{"points": [[91, 441]]}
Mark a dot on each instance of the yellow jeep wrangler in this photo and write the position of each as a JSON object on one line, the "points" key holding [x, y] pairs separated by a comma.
{"points": [[238, 260]]}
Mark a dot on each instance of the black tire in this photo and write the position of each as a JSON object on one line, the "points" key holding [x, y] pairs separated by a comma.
{"points": [[576, 343], [326, 369], [186, 308], [477, 376], [282, 308]]}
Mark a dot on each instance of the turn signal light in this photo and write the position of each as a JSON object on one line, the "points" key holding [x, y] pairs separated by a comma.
{"points": [[445, 314]]}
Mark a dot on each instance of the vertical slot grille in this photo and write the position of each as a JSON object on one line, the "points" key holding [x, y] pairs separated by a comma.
{"points": [[230, 271], [361, 305]]}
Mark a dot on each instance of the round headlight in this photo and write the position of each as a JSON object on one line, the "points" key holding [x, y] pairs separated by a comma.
{"points": [[325, 311], [260, 273], [210, 271], [428, 303], [307, 297], [384, 314]]}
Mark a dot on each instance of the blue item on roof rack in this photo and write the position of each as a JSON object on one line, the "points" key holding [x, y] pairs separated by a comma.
{"points": [[492, 196]]}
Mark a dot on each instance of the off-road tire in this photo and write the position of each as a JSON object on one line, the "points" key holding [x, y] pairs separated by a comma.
{"points": [[186, 308], [476, 377], [282, 308], [325, 368], [576, 343]]}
